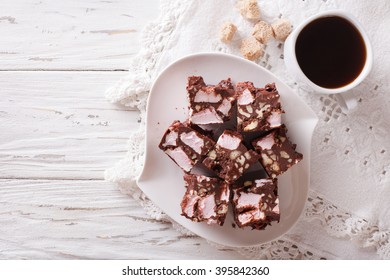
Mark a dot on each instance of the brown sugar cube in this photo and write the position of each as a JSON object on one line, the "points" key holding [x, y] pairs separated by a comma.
{"points": [[251, 48], [249, 9], [262, 31], [227, 32], [282, 29]]}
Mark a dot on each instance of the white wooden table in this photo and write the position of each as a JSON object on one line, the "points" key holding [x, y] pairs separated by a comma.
{"points": [[59, 134]]}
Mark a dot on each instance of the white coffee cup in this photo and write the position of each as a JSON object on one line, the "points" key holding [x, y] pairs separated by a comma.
{"points": [[344, 97]]}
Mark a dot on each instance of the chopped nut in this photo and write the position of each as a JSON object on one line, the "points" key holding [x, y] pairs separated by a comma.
{"points": [[243, 113], [249, 9], [266, 159], [247, 155], [227, 32], [247, 183], [259, 113], [262, 31], [241, 160], [252, 125], [249, 109], [265, 107], [197, 107], [273, 157], [283, 154], [275, 166], [246, 166], [212, 154], [282, 29], [241, 169], [202, 191], [251, 48], [234, 154], [222, 209]]}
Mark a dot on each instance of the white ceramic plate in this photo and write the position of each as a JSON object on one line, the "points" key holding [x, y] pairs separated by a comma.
{"points": [[162, 180]]}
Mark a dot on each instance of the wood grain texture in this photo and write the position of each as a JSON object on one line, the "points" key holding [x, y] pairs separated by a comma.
{"points": [[58, 125], [59, 134], [72, 34], [75, 219]]}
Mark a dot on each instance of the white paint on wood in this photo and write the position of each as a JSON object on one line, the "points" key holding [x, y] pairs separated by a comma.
{"points": [[59, 125], [58, 135], [72, 34], [75, 219]]}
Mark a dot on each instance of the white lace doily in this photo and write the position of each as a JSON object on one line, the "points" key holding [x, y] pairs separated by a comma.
{"points": [[350, 177]]}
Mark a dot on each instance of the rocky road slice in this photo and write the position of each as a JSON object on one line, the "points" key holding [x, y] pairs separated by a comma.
{"points": [[277, 152], [209, 104], [206, 199], [256, 203], [229, 159], [185, 145], [258, 109]]}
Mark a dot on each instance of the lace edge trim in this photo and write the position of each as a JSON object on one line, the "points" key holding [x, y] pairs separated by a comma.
{"points": [[342, 224]]}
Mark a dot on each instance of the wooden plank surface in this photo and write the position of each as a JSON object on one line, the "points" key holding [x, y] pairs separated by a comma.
{"points": [[59, 125], [79, 219], [72, 34], [59, 134]]}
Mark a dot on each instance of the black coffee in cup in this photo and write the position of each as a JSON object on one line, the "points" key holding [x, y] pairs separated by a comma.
{"points": [[330, 51]]}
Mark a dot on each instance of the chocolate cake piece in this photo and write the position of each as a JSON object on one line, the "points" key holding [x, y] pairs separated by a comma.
{"points": [[277, 152], [209, 104], [258, 109], [206, 199], [256, 203], [229, 159], [185, 145]]}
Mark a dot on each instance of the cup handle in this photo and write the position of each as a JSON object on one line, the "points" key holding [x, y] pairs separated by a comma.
{"points": [[347, 101]]}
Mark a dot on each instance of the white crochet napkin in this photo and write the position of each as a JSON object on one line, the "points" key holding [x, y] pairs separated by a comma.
{"points": [[349, 194]]}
